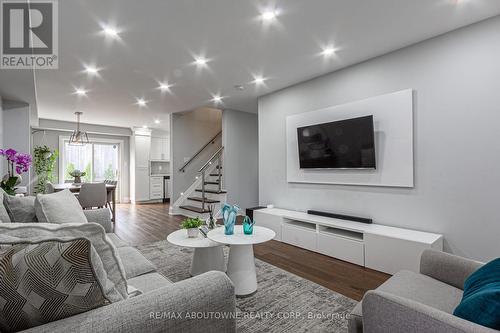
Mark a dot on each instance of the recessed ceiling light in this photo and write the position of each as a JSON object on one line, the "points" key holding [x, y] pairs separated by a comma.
{"points": [[157, 121], [144, 126], [239, 87], [164, 86], [110, 31], [259, 80], [80, 92], [92, 70], [328, 51], [216, 98], [269, 15], [201, 61], [141, 102]]}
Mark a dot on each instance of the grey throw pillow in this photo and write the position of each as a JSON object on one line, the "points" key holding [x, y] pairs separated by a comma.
{"points": [[59, 207], [115, 286], [4, 216], [20, 209], [47, 281]]}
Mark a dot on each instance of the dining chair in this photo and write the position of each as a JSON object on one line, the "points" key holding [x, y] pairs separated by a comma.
{"points": [[92, 195], [109, 198], [49, 188]]}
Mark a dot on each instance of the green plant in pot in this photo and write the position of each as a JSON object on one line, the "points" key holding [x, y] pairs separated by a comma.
{"points": [[44, 163], [192, 225]]}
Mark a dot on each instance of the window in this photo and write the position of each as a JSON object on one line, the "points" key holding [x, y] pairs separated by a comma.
{"points": [[105, 162], [77, 158], [100, 160]]}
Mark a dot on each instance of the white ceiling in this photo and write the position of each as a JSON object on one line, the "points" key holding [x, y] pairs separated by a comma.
{"points": [[160, 38], [17, 86]]}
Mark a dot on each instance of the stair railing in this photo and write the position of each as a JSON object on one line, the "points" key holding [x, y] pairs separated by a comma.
{"points": [[216, 156], [212, 141]]}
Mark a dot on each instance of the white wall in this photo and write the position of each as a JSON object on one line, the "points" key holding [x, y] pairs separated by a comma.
{"points": [[90, 128], [16, 134], [241, 174], [2, 168], [457, 148], [189, 132]]}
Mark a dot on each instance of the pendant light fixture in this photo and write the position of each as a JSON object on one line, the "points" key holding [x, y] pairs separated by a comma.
{"points": [[78, 138]]}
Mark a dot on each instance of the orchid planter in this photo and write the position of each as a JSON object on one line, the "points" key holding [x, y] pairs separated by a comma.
{"points": [[17, 163]]}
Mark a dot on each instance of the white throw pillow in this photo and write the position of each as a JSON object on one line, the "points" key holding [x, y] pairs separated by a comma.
{"points": [[59, 207], [116, 287]]}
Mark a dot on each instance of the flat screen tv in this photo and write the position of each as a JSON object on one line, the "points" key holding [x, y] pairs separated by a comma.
{"points": [[344, 144]]}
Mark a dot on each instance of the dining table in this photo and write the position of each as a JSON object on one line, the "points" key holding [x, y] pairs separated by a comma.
{"points": [[75, 188]]}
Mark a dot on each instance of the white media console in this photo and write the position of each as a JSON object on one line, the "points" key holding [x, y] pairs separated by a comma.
{"points": [[383, 248]]}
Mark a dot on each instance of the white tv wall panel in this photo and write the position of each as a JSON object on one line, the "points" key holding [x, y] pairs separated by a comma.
{"points": [[393, 124]]}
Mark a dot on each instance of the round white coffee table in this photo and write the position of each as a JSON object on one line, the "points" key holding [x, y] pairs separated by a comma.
{"points": [[241, 263], [208, 255]]}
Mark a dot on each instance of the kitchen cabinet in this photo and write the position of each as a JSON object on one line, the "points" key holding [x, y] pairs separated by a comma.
{"points": [[160, 149], [156, 188], [140, 147]]}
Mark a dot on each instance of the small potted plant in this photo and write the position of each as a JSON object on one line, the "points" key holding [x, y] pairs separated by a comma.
{"points": [[77, 174], [192, 225]]}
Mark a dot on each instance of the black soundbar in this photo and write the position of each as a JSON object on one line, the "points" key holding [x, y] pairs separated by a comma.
{"points": [[340, 216]]}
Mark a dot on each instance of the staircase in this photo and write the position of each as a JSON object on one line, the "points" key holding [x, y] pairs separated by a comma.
{"points": [[211, 184], [206, 190]]}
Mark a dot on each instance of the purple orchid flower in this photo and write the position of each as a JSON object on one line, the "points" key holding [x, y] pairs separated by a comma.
{"points": [[10, 154], [23, 162]]}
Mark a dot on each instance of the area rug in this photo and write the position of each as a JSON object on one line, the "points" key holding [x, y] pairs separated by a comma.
{"points": [[284, 302]]}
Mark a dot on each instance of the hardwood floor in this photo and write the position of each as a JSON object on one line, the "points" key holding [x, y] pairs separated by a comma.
{"points": [[141, 224]]}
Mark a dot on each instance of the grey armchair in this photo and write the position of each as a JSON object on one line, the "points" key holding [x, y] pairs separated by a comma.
{"points": [[419, 302]]}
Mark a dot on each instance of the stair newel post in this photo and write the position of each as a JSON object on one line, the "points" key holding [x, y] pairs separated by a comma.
{"points": [[203, 190], [220, 172]]}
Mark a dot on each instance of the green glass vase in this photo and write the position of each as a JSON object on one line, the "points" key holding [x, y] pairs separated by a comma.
{"points": [[248, 226]]}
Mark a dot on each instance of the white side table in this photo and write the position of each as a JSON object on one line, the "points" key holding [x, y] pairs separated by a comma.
{"points": [[208, 255], [241, 263]]}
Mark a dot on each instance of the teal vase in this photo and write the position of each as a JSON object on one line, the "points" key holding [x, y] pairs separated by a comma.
{"points": [[248, 226], [229, 217]]}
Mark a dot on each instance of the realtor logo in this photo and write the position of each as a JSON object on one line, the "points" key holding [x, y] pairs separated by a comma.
{"points": [[29, 34]]}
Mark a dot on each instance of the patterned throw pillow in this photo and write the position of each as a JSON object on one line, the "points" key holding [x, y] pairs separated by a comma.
{"points": [[48, 281], [115, 283]]}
